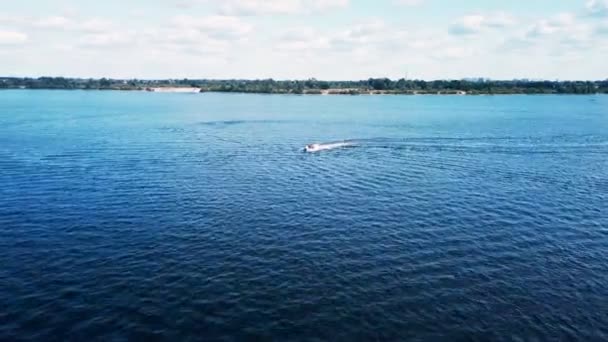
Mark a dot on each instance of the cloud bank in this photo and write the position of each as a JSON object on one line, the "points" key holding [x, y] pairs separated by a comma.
{"points": [[336, 39]]}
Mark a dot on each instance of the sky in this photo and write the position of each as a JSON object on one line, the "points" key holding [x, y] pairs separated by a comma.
{"points": [[301, 39]]}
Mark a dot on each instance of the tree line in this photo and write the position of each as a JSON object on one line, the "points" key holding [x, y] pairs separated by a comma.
{"points": [[314, 86]]}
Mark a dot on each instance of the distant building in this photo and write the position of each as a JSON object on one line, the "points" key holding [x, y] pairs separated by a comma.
{"points": [[476, 79]]}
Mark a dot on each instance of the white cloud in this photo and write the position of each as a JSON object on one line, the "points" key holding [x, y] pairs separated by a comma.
{"points": [[597, 8], [91, 25], [409, 2], [499, 20], [184, 4], [348, 45], [190, 41], [263, 7], [181, 34], [476, 23], [52, 22], [602, 29], [302, 40], [364, 34], [12, 38], [252, 7], [453, 52], [216, 26], [95, 25], [10, 20], [108, 39], [372, 40], [298, 34], [564, 35], [467, 25], [185, 34], [564, 26], [558, 23]]}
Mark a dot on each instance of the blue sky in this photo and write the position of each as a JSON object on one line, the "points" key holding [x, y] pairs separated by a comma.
{"points": [[286, 39]]}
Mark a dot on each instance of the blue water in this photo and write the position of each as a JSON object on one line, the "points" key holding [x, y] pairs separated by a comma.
{"points": [[142, 216]]}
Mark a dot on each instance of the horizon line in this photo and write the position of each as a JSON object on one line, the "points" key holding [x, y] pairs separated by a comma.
{"points": [[314, 78]]}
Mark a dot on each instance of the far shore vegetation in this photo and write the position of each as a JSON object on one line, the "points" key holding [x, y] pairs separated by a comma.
{"points": [[313, 86]]}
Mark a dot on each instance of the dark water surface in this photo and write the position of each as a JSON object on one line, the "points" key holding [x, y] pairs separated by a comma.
{"points": [[178, 216]]}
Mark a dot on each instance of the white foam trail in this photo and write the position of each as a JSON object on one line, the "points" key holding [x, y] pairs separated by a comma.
{"points": [[327, 146]]}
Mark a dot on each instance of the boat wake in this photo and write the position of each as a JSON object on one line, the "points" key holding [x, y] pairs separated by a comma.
{"points": [[477, 145]]}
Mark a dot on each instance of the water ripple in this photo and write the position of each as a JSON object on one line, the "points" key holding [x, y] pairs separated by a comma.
{"points": [[185, 225]]}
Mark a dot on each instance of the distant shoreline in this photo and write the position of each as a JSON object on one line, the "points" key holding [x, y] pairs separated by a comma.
{"points": [[373, 86], [336, 92]]}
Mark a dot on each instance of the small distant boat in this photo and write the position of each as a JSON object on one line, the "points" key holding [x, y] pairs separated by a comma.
{"points": [[315, 147], [312, 148]]}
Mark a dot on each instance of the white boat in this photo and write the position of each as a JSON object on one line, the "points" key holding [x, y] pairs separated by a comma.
{"points": [[326, 146], [312, 148]]}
